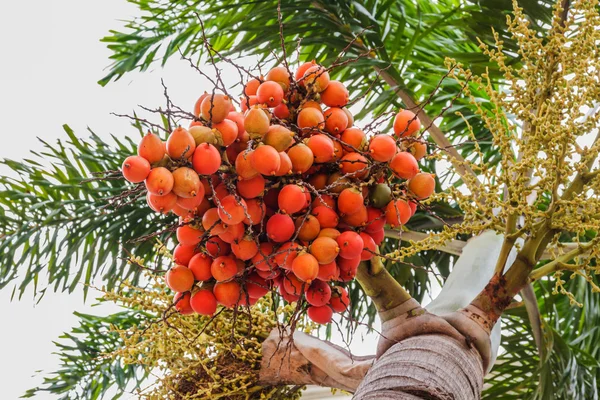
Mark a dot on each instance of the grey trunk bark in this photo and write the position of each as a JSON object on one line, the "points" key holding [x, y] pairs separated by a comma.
{"points": [[433, 367]]}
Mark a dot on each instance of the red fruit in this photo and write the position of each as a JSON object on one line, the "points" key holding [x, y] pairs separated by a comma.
{"points": [[281, 76], [285, 254], [293, 285], [266, 160], [183, 254], [188, 235], [280, 228], [310, 119], [207, 159], [256, 286], [324, 249], [243, 165], [244, 248], [302, 158], [355, 164], [268, 275], [228, 293], [215, 107], [321, 147], [354, 138], [347, 275], [251, 87], [348, 264], [204, 302], [256, 210], [182, 212], [182, 303], [326, 216], [211, 222], [316, 78], [251, 188], [180, 144], [291, 199], [378, 236], [370, 248], [404, 165], [350, 201], [324, 200], [290, 298], [223, 268], [336, 95], [406, 123], [318, 293], [351, 244], [339, 299], [306, 267], [216, 247], [375, 220], [320, 315], [270, 93], [336, 120], [382, 148], [422, 185], [200, 267], [308, 227], [328, 272], [302, 69], [358, 218], [238, 119], [179, 278], [151, 148], [227, 130], [263, 260], [281, 111], [191, 203], [233, 233], [159, 181], [231, 210], [161, 204], [397, 213], [413, 207]]}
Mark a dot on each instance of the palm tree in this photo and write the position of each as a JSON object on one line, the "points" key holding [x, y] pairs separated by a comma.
{"points": [[406, 44]]}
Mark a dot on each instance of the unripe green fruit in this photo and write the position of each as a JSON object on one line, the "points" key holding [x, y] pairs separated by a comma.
{"points": [[381, 195]]}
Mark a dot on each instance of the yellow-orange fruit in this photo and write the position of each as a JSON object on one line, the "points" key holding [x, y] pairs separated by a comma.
{"points": [[336, 183], [202, 134], [231, 211], [159, 181], [243, 165], [281, 111], [311, 104], [305, 267], [135, 169], [279, 137], [256, 211], [281, 76], [211, 222], [350, 200], [302, 158], [336, 95], [397, 213], [382, 148], [270, 93], [324, 249], [355, 164], [321, 147], [180, 144], [151, 148], [336, 120], [308, 227], [197, 106], [251, 188], [357, 218], [404, 165], [161, 204], [422, 185], [245, 248], [265, 159], [406, 123], [354, 138], [310, 119], [248, 102], [316, 78], [179, 278], [319, 181], [327, 217], [186, 183], [330, 233], [338, 150], [256, 122], [215, 107], [350, 117], [301, 70], [418, 149]]}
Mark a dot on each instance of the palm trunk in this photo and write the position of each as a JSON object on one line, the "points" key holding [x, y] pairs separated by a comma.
{"points": [[436, 367]]}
